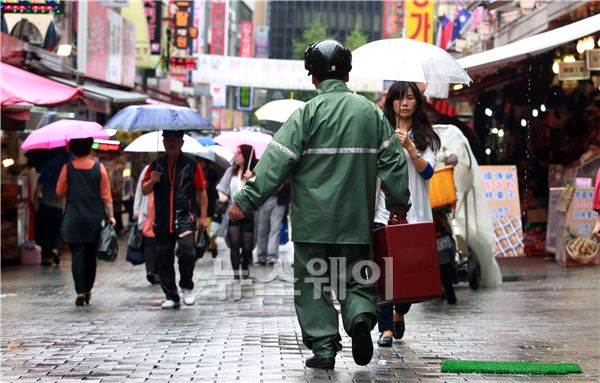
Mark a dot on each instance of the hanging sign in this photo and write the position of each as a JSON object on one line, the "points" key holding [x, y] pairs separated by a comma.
{"points": [[592, 59], [573, 71], [419, 20]]}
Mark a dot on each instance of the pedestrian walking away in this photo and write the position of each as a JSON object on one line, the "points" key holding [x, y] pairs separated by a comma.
{"points": [[179, 188], [403, 107], [332, 149], [143, 216], [239, 234], [85, 183], [269, 225]]}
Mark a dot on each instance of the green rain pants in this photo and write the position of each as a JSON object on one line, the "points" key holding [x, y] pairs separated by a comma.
{"points": [[316, 275]]}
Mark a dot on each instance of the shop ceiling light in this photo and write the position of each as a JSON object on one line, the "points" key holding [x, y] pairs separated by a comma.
{"points": [[569, 59], [494, 131], [64, 50], [8, 162], [535, 113], [488, 151], [543, 108], [501, 133], [488, 112], [523, 122], [556, 66], [457, 87], [585, 44]]}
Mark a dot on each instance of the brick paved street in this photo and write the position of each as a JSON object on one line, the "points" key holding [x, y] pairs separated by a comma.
{"points": [[251, 334]]}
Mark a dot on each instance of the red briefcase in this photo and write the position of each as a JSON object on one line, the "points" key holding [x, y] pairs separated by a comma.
{"points": [[407, 258]]}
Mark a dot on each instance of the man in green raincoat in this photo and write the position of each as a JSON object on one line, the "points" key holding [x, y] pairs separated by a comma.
{"points": [[332, 149]]}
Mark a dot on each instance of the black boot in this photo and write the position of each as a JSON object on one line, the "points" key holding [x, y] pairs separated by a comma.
{"points": [[319, 362], [362, 345]]}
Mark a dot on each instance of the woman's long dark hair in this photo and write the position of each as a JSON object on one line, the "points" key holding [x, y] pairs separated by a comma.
{"points": [[247, 153], [423, 134]]}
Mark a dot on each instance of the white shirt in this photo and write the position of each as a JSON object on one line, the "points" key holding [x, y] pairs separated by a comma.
{"points": [[420, 210]]}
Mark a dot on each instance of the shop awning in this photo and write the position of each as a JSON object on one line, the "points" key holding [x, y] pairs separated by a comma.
{"points": [[18, 86], [155, 101], [529, 46], [101, 93]]}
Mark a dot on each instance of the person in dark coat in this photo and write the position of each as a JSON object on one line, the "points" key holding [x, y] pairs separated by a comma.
{"points": [[85, 183]]}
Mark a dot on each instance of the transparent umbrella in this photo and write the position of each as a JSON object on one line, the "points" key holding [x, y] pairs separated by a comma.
{"points": [[278, 110], [152, 142], [405, 59]]}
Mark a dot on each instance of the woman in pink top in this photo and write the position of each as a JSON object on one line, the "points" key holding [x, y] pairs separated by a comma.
{"points": [[86, 185], [596, 207]]}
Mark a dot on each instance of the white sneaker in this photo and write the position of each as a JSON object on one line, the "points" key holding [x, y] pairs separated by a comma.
{"points": [[169, 304], [188, 297]]}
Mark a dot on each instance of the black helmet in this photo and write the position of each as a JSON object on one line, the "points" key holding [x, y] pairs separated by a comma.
{"points": [[327, 56]]}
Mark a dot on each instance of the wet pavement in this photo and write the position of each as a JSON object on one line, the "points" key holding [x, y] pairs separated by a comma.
{"points": [[249, 332]]}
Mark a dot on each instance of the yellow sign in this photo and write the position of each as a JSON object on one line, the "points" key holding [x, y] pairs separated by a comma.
{"points": [[136, 14], [419, 20]]}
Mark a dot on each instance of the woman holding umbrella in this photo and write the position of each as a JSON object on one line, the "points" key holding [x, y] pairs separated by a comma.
{"points": [[86, 184], [240, 233], [404, 109]]}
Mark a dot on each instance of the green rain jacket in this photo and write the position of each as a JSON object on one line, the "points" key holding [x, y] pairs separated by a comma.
{"points": [[332, 149]]}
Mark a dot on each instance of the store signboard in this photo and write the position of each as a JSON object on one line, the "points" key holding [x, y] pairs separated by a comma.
{"points": [[97, 44], [153, 10], [218, 92], [246, 39], [261, 45], [501, 192], [389, 18], [244, 98], [218, 22], [576, 70], [199, 22], [419, 20], [129, 53], [114, 69], [592, 59], [35, 7], [574, 244]]}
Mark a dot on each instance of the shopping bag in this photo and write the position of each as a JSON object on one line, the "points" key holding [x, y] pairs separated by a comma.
{"points": [[135, 237], [107, 245], [135, 256], [202, 243], [407, 258], [284, 235]]}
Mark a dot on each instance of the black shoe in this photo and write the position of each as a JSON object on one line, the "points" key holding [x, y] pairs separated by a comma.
{"points": [[214, 253], [79, 300], [46, 262], [150, 278], [318, 362], [362, 345], [385, 341], [88, 296], [398, 330], [56, 259]]}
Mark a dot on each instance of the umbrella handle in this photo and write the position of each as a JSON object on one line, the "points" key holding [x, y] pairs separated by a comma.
{"points": [[250, 159]]}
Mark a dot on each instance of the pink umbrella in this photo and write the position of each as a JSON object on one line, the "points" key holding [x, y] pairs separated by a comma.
{"points": [[231, 140], [58, 133]]}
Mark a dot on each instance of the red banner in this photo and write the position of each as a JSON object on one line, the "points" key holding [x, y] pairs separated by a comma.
{"points": [[218, 17], [389, 18], [246, 39]]}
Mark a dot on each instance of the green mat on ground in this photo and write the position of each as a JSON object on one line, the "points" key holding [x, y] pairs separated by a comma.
{"points": [[487, 367]]}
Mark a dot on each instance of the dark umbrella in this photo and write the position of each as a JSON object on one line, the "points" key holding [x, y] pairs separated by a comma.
{"points": [[51, 39]]}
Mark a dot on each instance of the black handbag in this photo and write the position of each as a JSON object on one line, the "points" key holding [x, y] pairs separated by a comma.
{"points": [[107, 245], [135, 256], [136, 240], [202, 243]]}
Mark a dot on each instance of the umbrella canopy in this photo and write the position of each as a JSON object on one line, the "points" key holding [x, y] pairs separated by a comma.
{"points": [[148, 118], [278, 110], [231, 140], [406, 60], [59, 133], [152, 142]]}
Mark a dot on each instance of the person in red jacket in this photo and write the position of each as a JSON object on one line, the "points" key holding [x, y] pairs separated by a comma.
{"points": [[596, 207]]}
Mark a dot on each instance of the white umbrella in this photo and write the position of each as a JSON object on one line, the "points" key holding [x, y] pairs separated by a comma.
{"points": [[278, 110], [406, 60], [152, 142]]}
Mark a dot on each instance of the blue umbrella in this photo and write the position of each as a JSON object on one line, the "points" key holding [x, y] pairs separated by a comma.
{"points": [[147, 118], [206, 141]]}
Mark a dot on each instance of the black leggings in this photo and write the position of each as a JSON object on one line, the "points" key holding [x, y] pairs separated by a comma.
{"points": [[83, 266], [241, 235]]}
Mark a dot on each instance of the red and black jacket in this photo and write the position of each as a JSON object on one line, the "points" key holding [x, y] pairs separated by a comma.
{"points": [[175, 202]]}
